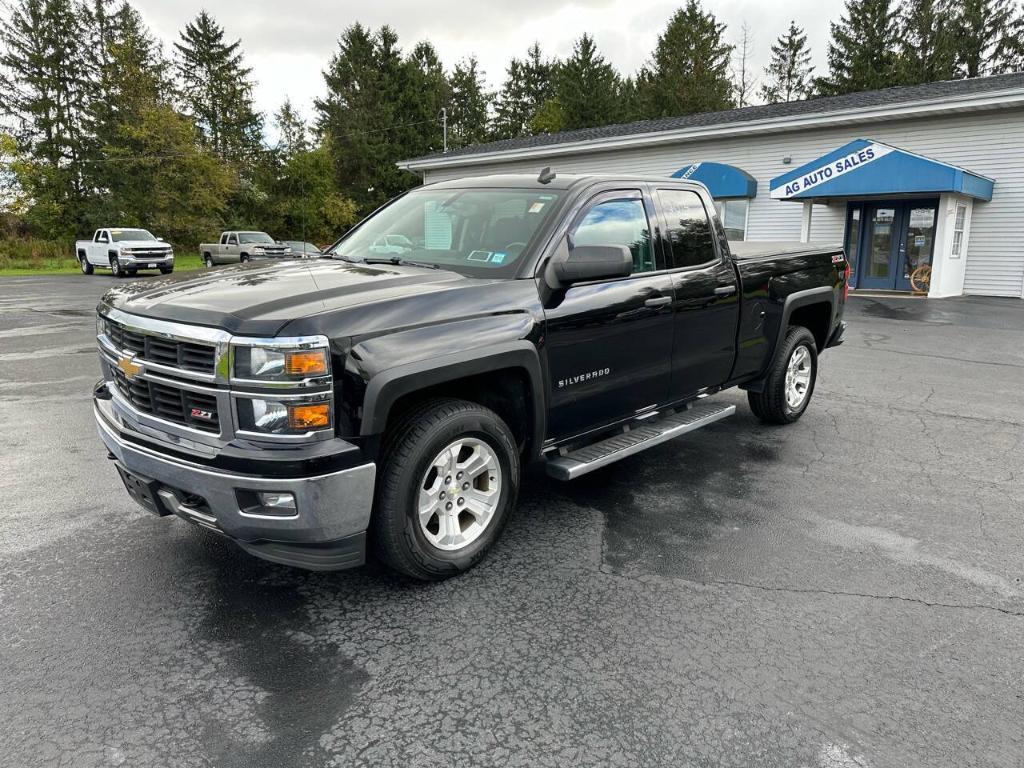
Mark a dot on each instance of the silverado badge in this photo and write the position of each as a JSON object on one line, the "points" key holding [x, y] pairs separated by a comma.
{"points": [[129, 367]]}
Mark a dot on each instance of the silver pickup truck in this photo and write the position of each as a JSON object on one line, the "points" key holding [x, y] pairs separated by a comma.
{"points": [[237, 246]]}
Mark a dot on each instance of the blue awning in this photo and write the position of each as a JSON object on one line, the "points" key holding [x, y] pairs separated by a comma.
{"points": [[865, 168], [721, 180]]}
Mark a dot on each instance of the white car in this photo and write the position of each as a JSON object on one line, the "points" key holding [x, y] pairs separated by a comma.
{"points": [[124, 251]]}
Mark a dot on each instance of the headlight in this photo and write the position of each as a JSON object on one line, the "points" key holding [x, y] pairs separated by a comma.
{"points": [[279, 363], [277, 417], [101, 325], [257, 249]]}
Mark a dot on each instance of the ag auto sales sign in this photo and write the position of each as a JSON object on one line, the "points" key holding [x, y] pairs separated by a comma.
{"points": [[830, 170]]}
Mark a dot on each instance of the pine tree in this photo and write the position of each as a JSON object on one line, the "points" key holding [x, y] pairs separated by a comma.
{"points": [[927, 45], [862, 52], [132, 82], [789, 72], [45, 84], [292, 131], [216, 89], [988, 37], [742, 75], [690, 69], [467, 110], [380, 107], [587, 88], [528, 85]]}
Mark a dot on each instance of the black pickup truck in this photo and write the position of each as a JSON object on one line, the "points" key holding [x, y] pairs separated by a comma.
{"points": [[390, 394]]}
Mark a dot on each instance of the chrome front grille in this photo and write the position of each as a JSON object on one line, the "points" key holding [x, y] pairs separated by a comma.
{"points": [[187, 355], [168, 376], [168, 401]]}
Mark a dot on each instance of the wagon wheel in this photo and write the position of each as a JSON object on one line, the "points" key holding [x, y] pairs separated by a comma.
{"points": [[921, 278]]}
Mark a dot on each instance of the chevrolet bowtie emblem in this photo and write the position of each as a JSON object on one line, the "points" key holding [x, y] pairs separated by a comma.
{"points": [[129, 367]]}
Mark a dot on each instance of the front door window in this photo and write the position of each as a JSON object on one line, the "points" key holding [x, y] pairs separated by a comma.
{"points": [[879, 263]]}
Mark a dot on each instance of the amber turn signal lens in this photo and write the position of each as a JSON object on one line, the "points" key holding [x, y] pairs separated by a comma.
{"points": [[309, 416], [307, 363]]}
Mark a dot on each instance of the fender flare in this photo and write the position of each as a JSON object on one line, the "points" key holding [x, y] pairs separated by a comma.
{"points": [[384, 389], [821, 295]]}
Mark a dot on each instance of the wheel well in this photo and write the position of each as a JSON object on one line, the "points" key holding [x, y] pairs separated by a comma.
{"points": [[816, 318], [81, 253], [505, 391], [111, 255]]}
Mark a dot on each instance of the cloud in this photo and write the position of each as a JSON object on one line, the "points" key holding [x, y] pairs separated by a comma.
{"points": [[287, 45]]}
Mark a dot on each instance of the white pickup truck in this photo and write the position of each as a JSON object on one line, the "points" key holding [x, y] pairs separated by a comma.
{"points": [[237, 246], [124, 251]]}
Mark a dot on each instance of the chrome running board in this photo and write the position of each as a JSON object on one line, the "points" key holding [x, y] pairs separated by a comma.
{"points": [[638, 438]]}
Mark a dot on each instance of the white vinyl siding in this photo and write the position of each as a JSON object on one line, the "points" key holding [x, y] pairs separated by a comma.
{"points": [[988, 143]]}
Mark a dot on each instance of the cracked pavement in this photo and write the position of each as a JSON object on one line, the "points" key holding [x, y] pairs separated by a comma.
{"points": [[841, 593]]}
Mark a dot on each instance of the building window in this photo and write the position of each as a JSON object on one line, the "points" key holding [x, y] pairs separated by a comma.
{"points": [[733, 215], [958, 230]]}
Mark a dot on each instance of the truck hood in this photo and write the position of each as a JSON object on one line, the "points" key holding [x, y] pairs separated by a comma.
{"points": [[258, 299], [139, 244]]}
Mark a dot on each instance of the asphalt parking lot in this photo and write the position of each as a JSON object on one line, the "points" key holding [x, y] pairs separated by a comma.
{"points": [[843, 592]]}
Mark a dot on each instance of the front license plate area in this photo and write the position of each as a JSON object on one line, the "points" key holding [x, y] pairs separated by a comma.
{"points": [[143, 490], [151, 266]]}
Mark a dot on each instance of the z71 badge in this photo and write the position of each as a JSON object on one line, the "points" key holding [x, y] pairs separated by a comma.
{"points": [[563, 383]]}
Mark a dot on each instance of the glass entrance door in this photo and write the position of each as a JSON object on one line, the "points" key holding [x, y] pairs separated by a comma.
{"points": [[918, 240], [880, 247], [889, 240]]}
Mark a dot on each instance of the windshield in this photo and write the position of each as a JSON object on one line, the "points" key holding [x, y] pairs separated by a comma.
{"points": [[255, 237], [120, 235], [298, 245], [478, 232]]}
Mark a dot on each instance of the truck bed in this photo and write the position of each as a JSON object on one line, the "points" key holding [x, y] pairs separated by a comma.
{"points": [[759, 249]]}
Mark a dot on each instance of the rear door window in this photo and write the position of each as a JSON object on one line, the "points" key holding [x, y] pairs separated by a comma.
{"points": [[688, 234]]}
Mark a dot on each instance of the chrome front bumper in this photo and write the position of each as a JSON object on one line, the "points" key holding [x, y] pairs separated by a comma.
{"points": [[326, 531]]}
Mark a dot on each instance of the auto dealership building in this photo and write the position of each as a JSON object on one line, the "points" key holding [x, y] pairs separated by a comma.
{"points": [[908, 177]]}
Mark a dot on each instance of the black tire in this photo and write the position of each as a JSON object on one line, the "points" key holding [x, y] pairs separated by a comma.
{"points": [[208, 261], [166, 270], [243, 258], [87, 268], [115, 267], [408, 450], [770, 405]]}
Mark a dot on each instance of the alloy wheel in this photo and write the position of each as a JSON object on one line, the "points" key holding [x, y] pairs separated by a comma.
{"points": [[459, 494]]}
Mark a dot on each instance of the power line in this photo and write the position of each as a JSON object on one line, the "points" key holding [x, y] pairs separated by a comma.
{"points": [[180, 155]]}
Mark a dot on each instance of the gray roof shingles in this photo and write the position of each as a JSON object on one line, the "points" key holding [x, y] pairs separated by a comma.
{"points": [[864, 99]]}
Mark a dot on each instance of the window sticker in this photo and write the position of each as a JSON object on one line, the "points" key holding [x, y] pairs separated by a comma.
{"points": [[479, 256], [497, 257], [536, 207]]}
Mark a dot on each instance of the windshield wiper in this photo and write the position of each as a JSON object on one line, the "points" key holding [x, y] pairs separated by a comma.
{"points": [[398, 261]]}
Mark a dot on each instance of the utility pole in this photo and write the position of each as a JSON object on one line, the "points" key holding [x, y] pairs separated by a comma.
{"points": [[444, 127]]}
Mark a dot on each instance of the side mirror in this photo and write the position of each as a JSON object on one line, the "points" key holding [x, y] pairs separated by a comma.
{"points": [[593, 262]]}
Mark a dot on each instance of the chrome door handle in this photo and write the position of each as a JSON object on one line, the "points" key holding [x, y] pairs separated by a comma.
{"points": [[660, 301], [725, 290]]}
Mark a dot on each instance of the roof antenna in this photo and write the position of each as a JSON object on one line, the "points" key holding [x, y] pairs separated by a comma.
{"points": [[546, 176]]}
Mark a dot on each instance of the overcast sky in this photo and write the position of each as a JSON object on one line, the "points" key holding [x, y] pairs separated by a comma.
{"points": [[288, 44]]}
